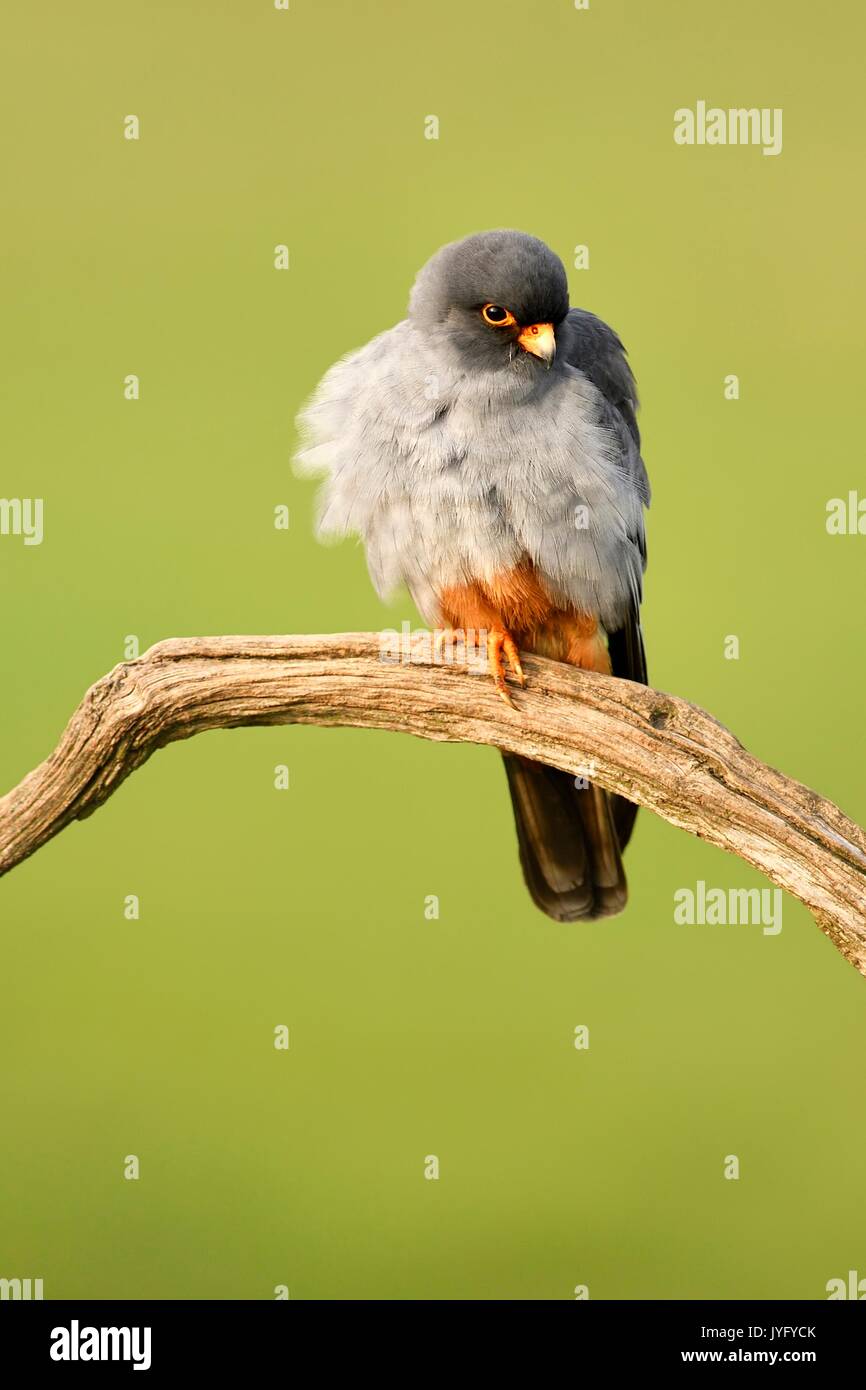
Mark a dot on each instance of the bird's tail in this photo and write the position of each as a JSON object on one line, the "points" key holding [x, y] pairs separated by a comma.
{"points": [[569, 845]]}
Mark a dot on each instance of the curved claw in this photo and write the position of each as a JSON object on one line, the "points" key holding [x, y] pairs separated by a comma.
{"points": [[502, 648]]}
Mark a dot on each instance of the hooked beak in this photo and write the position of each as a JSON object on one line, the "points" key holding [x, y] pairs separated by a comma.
{"points": [[540, 340]]}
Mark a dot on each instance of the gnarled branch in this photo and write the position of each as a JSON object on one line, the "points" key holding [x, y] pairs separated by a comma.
{"points": [[653, 748]]}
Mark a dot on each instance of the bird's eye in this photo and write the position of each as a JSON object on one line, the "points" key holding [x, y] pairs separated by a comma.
{"points": [[497, 316]]}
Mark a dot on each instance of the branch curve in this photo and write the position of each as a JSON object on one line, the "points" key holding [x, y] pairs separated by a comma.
{"points": [[653, 748]]}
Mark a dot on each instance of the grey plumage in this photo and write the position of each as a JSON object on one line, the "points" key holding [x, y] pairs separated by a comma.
{"points": [[452, 464], [458, 456]]}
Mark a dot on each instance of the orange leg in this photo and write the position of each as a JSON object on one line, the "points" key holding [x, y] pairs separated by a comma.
{"points": [[465, 608], [513, 607], [501, 647]]}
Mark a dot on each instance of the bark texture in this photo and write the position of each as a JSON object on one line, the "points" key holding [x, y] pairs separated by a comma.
{"points": [[656, 749]]}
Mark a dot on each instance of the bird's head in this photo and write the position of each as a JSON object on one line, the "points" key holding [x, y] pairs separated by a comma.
{"points": [[498, 297]]}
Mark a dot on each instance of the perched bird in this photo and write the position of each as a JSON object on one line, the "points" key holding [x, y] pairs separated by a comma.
{"points": [[486, 449]]}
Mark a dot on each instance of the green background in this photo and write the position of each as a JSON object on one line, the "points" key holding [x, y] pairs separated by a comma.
{"points": [[412, 1037]]}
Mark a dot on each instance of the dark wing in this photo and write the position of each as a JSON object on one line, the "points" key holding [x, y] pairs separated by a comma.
{"points": [[595, 350], [593, 347]]}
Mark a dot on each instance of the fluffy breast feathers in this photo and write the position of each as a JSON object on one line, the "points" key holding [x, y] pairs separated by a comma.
{"points": [[451, 476]]}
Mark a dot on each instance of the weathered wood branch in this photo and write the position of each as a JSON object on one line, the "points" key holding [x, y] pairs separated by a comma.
{"points": [[656, 749]]}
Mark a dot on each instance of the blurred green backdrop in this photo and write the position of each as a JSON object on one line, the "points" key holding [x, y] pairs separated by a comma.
{"points": [[412, 1037]]}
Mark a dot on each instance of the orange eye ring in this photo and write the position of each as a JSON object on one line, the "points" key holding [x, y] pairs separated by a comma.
{"points": [[497, 317]]}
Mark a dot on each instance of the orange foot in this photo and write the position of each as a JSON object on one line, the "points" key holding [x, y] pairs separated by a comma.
{"points": [[501, 647], [451, 645]]}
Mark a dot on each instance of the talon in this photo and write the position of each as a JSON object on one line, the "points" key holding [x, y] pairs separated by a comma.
{"points": [[502, 691], [514, 658], [501, 647]]}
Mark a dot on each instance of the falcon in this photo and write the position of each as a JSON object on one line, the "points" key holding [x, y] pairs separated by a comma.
{"points": [[487, 451]]}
